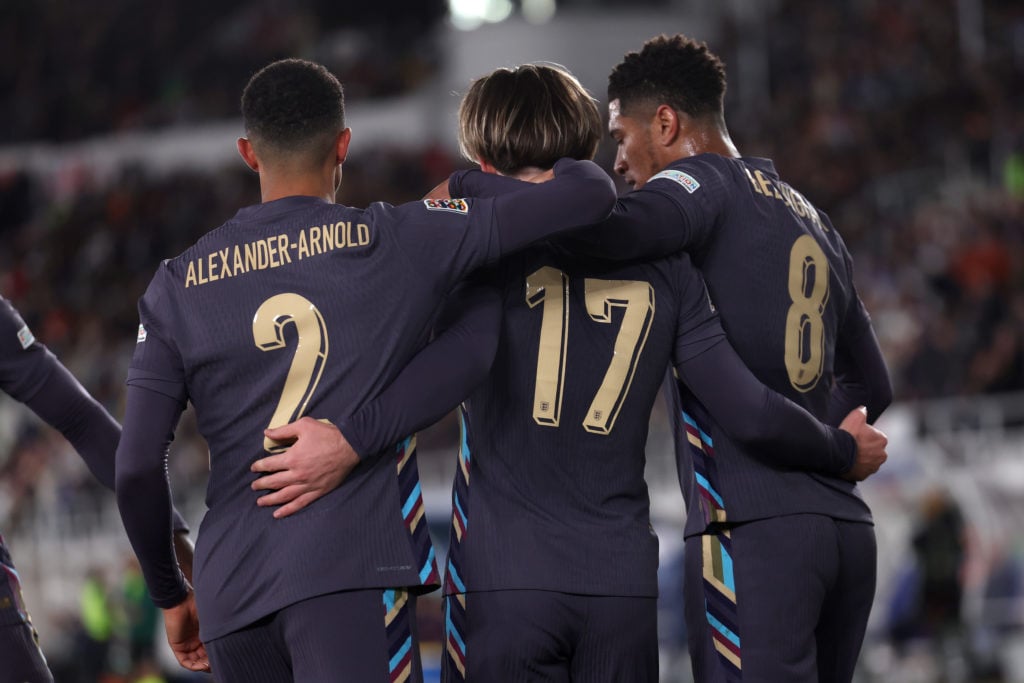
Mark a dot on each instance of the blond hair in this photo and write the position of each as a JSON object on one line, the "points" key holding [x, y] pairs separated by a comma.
{"points": [[528, 116]]}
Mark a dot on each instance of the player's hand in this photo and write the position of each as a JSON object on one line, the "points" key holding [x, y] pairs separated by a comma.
{"points": [[182, 624], [871, 445], [314, 465]]}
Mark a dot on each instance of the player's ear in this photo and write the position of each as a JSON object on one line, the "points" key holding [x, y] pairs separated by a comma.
{"points": [[341, 144], [486, 166], [666, 125], [248, 155]]}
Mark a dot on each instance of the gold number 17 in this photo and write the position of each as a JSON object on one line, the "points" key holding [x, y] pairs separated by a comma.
{"points": [[550, 287]]}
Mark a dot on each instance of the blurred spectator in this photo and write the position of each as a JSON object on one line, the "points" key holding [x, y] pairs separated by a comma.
{"points": [[69, 71], [140, 617], [939, 546], [97, 629]]}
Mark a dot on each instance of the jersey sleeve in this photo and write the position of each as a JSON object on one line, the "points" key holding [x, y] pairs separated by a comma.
{"points": [[861, 375], [455, 236], [156, 363], [439, 377], [154, 402], [25, 364], [772, 427], [34, 376], [144, 493], [677, 209]]}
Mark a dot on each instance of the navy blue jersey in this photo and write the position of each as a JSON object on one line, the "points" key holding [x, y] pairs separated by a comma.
{"points": [[783, 281], [549, 492], [301, 307], [553, 449]]}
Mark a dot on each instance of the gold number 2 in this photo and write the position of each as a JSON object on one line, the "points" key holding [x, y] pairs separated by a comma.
{"points": [[805, 329], [307, 363], [551, 286]]}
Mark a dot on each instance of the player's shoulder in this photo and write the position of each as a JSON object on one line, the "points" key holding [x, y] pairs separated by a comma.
{"points": [[701, 175], [423, 210]]}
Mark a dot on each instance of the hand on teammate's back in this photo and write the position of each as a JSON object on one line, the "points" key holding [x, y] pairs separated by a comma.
{"points": [[316, 463], [871, 445]]}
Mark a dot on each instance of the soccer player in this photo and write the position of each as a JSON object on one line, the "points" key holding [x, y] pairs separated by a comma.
{"points": [[552, 551], [299, 306], [31, 374], [780, 563]]}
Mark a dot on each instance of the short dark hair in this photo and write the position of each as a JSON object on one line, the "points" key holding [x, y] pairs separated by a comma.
{"points": [[673, 70], [532, 115], [293, 106]]}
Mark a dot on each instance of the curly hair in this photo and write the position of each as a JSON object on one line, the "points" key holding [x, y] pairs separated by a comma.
{"points": [[293, 106], [532, 115], [673, 70]]}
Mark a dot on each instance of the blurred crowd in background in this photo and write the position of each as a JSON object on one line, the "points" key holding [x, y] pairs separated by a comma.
{"points": [[904, 120]]}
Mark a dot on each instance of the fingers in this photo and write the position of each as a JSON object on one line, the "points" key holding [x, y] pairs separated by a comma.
{"points": [[281, 497], [191, 654], [273, 482], [296, 505], [196, 660], [288, 432], [271, 463]]}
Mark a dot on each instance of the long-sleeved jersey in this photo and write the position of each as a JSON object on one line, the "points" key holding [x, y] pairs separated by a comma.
{"points": [[301, 307]]}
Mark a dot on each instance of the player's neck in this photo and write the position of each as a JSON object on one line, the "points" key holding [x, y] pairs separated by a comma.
{"points": [[527, 173], [705, 139], [273, 187]]}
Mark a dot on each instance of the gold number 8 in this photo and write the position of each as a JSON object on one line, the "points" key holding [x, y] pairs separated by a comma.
{"points": [[805, 329]]}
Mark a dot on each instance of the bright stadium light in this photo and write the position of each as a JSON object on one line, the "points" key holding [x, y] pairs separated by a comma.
{"points": [[497, 10], [470, 14], [538, 11]]}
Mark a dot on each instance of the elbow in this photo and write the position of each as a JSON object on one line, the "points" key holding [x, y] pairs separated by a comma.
{"points": [[745, 430], [130, 478], [880, 400], [605, 200], [597, 198], [478, 365]]}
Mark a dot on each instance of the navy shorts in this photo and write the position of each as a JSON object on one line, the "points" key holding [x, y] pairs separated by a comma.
{"points": [[781, 599], [532, 636], [364, 636], [21, 660]]}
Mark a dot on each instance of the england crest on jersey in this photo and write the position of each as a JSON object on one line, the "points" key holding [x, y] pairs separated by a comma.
{"points": [[142, 334]]}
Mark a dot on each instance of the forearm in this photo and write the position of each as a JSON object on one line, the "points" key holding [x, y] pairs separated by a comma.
{"points": [[580, 194], [862, 377], [436, 380], [772, 427], [66, 406], [143, 491]]}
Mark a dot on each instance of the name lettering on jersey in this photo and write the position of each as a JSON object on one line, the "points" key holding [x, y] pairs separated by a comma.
{"points": [[25, 337], [782, 192], [688, 182], [453, 205], [275, 251]]}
